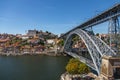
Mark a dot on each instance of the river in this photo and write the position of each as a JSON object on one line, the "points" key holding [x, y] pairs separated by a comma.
{"points": [[32, 67]]}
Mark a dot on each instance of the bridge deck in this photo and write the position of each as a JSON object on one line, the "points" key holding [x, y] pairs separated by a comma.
{"points": [[106, 15]]}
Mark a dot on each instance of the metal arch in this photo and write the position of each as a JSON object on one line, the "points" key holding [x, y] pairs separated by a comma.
{"points": [[104, 48], [92, 41], [92, 48]]}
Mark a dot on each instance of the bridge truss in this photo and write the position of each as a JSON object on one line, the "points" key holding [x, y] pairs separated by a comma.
{"points": [[96, 47]]}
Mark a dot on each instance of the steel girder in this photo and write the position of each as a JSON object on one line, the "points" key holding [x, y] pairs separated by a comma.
{"points": [[114, 32], [104, 16], [96, 47], [103, 47]]}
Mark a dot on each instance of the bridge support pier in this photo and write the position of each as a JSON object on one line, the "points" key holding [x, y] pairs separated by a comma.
{"points": [[110, 68], [114, 31]]}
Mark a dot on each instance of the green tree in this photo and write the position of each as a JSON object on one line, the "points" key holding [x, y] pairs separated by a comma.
{"points": [[41, 42], [83, 68], [97, 34], [74, 66], [75, 38], [47, 32], [61, 43], [73, 60]]}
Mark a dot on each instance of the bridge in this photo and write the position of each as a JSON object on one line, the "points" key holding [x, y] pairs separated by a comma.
{"points": [[96, 47]]}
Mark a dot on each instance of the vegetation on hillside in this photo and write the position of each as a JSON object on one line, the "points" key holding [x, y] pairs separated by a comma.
{"points": [[60, 42]]}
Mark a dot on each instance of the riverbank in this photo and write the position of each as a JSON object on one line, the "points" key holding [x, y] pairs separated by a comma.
{"points": [[40, 53], [67, 76]]}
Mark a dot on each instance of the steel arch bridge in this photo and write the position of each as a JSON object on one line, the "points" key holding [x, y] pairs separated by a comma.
{"points": [[97, 48]]}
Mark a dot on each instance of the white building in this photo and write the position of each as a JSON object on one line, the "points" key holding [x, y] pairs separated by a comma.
{"points": [[24, 37], [50, 41]]}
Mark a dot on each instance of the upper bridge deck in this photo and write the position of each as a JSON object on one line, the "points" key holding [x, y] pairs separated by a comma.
{"points": [[104, 16]]}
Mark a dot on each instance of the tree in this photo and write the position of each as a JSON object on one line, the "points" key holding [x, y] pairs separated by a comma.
{"points": [[47, 32], [73, 60], [74, 66], [83, 69], [41, 42], [61, 42], [97, 34], [75, 38]]}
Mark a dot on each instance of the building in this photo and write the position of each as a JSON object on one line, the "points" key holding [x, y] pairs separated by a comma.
{"points": [[32, 33], [24, 37]]}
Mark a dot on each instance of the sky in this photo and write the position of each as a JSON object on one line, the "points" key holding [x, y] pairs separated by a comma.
{"points": [[56, 16]]}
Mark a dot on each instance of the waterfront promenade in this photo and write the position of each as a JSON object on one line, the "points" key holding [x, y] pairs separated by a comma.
{"points": [[49, 53]]}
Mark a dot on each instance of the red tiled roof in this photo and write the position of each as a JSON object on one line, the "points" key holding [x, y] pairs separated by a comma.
{"points": [[4, 40]]}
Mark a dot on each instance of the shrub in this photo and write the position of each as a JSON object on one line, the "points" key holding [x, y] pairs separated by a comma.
{"points": [[83, 68], [74, 66]]}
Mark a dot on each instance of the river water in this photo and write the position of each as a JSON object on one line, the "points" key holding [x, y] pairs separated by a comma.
{"points": [[32, 67]]}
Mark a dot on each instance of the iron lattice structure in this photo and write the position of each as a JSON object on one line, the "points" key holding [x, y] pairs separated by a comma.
{"points": [[104, 16], [114, 33], [96, 47]]}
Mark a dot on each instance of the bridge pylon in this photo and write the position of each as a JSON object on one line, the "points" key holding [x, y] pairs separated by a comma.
{"points": [[114, 33]]}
